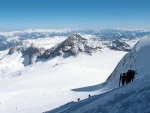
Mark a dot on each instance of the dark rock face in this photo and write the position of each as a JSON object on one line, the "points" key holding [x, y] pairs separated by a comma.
{"points": [[33, 53], [12, 50], [120, 46]]}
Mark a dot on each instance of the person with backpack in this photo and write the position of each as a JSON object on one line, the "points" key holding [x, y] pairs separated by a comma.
{"points": [[133, 75]]}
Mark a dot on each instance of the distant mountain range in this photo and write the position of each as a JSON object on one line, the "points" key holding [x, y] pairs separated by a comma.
{"points": [[28, 37]]}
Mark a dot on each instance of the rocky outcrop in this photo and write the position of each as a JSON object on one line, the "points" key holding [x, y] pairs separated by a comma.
{"points": [[119, 46], [34, 53]]}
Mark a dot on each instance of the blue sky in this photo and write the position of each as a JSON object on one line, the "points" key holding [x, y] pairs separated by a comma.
{"points": [[26, 14]]}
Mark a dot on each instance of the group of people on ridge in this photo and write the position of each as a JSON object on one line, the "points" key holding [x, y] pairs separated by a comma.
{"points": [[125, 78]]}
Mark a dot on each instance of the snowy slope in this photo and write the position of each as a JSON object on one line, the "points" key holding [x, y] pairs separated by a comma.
{"points": [[47, 85], [131, 98]]}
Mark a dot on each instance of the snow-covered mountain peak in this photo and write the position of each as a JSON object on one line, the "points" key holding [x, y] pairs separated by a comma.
{"points": [[73, 45], [74, 39]]}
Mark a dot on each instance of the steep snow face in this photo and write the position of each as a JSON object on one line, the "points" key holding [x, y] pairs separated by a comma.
{"points": [[137, 59]]}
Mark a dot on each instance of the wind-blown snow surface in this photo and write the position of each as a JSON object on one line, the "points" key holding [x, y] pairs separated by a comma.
{"points": [[131, 98], [47, 85]]}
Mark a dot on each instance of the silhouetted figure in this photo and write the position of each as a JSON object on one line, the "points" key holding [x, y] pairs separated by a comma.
{"points": [[129, 75], [89, 95], [78, 99], [122, 78], [133, 75]]}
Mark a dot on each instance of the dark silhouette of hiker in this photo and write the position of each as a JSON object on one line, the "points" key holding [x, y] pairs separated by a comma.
{"points": [[129, 75], [89, 95], [78, 99], [127, 79], [133, 75], [122, 78]]}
